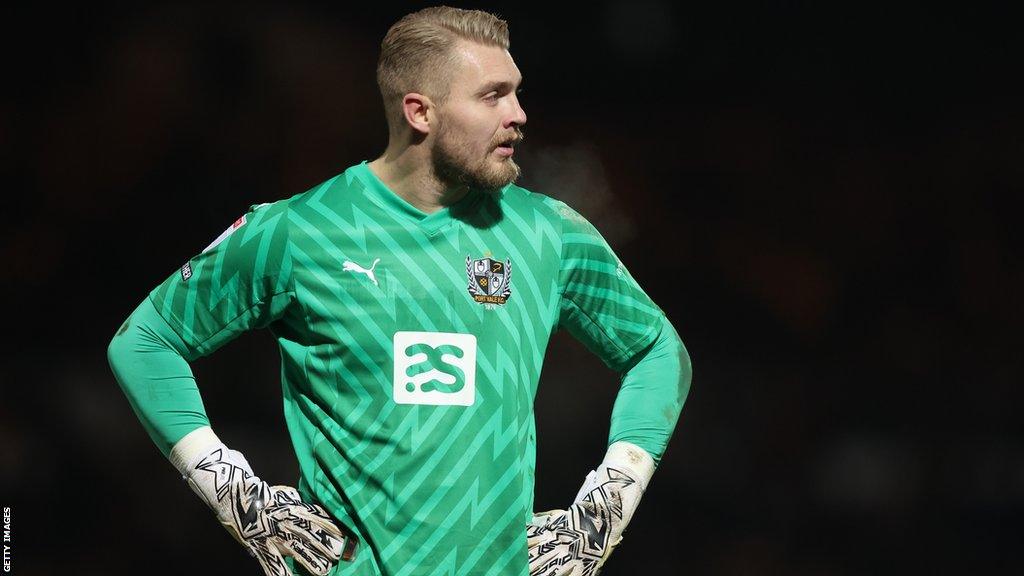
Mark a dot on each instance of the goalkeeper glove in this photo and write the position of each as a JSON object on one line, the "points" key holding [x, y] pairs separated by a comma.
{"points": [[578, 541], [271, 522]]}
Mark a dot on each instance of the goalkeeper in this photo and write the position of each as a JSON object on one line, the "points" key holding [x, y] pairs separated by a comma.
{"points": [[412, 298]]}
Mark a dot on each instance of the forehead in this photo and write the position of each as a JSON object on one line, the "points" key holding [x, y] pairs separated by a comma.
{"points": [[477, 65]]}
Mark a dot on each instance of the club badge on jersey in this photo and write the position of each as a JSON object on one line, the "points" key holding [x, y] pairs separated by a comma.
{"points": [[489, 279]]}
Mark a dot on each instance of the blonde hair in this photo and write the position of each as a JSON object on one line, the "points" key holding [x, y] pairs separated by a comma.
{"points": [[418, 50]]}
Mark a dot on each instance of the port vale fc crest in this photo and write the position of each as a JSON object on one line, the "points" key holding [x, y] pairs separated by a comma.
{"points": [[489, 280]]}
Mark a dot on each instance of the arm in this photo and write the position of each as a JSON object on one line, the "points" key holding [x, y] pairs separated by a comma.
{"points": [[231, 287], [604, 308], [146, 357], [652, 394], [238, 283]]}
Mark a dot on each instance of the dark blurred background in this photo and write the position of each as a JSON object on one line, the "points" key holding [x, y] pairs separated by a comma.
{"points": [[819, 198]]}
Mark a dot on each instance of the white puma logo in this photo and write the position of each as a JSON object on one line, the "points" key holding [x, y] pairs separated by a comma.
{"points": [[353, 267]]}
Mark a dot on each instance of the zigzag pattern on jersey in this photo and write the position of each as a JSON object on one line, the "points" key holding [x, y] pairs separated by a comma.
{"points": [[624, 317], [411, 427], [498, 365], [478, 506], [545, 296], [259, 252]]}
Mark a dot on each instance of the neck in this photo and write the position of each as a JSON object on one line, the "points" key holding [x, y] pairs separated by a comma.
{"points": [[408, 172]]}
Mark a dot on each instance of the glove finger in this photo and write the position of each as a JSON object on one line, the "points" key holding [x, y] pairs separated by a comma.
{"points": [[284, 495], [318, 540], [288, 496], [544, 518], [309, 522], [549, 561], [537, 535], [322, 535], [305, 554], [319, 519], [269, 558], [549, 512]]}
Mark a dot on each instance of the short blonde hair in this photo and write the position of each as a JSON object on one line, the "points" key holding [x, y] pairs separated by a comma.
{"points": [[418, 48]]}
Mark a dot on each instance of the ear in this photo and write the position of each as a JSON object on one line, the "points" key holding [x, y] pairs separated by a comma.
{"points": [[418, 111]]}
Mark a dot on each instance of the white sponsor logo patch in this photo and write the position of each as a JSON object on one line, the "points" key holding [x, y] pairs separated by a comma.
{"points": [[437, 368]]}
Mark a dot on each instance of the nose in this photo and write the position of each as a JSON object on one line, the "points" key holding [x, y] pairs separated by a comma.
{"points": [[518, 117]]}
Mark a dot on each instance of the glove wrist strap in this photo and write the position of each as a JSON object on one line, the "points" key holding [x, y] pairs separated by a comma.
{"points": [[632, 457], [195, 444]]}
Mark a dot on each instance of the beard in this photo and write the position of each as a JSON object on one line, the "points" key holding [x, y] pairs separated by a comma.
{"points": [[455, 163]]}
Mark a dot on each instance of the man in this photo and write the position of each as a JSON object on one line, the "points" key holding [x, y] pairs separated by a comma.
{"points": [[413, 298]]}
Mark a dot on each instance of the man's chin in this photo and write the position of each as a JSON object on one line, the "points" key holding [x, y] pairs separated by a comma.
{"points": [[508, 172], [499, 183], [498, 176], [494, 173]]}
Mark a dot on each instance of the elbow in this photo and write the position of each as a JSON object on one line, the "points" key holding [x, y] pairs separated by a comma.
{"points": [[115, 349], [120, 349], [685, 373], [684, 364]]}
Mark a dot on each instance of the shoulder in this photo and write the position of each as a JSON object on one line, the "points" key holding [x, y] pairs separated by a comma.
{"points": [[564, 217], [339, 188], [265, 215], [557, 212], [333, 189]]}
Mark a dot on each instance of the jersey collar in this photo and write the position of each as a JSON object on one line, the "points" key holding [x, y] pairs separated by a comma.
{"points": [[379, 193]]}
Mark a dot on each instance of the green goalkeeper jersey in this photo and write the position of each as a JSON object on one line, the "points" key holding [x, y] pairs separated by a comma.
{"points": [[411, 347]]}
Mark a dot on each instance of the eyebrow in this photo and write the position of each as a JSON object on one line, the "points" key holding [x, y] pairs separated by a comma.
{"points": [[498, 86]]}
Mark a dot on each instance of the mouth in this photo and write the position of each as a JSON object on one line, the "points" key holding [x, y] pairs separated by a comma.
{"points": [[507, 147]]}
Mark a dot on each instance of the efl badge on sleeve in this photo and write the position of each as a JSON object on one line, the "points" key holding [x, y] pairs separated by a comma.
{"points": [[231, 229], [489, 280]]}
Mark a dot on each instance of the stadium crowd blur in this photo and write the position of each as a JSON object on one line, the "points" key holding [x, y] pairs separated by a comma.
{"points": [[820, 200]]}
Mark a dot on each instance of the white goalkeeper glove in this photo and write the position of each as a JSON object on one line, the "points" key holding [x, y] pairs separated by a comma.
{"points": [[271, 522], [578, 541]]}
